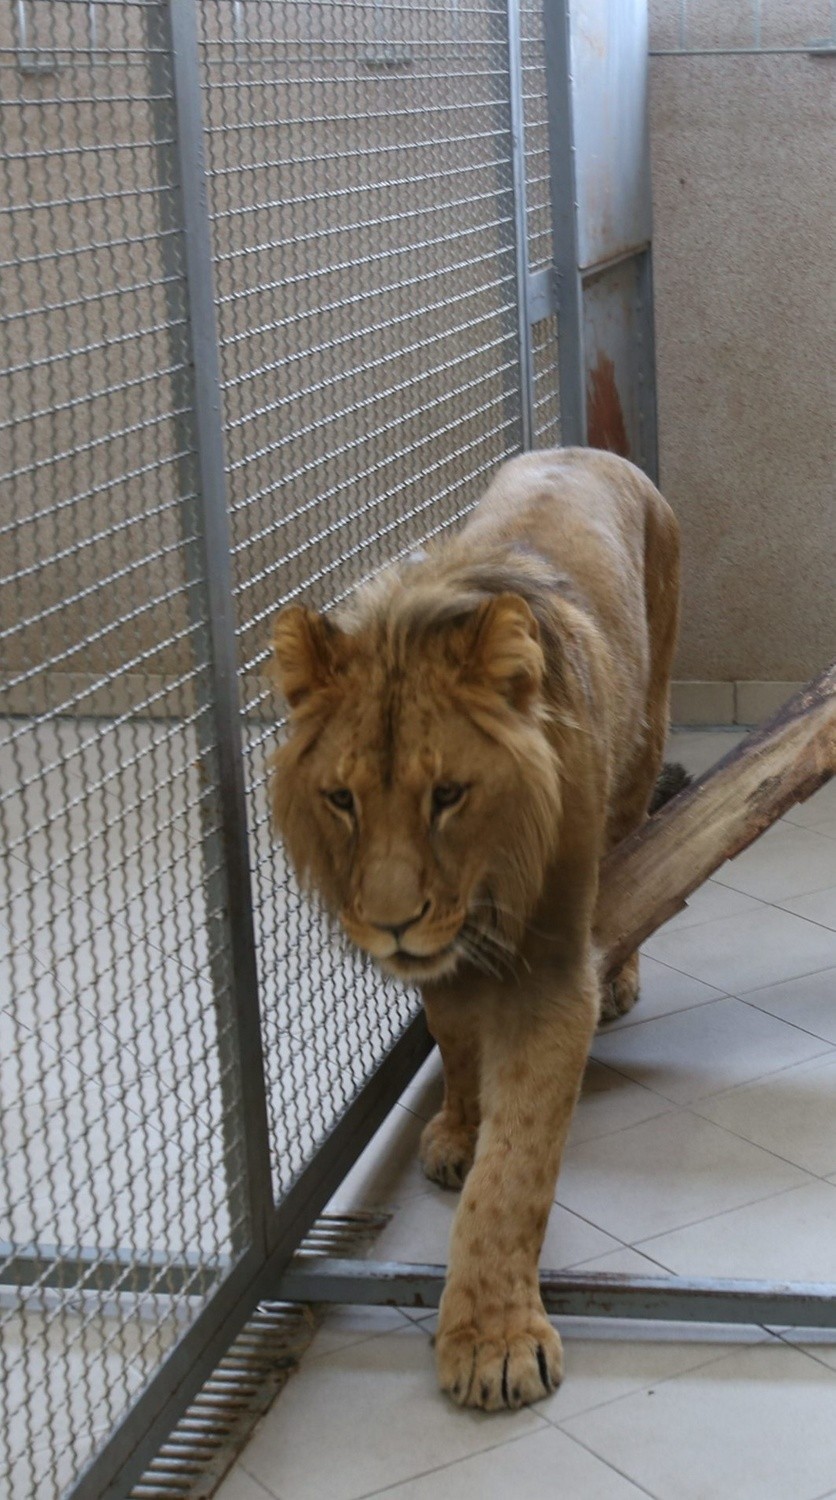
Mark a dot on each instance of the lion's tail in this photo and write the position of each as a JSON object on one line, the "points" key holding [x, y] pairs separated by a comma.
{"points": [[672, 779]]}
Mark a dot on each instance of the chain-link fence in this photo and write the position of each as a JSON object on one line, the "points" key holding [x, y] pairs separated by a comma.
{"points": [[211, 403]]}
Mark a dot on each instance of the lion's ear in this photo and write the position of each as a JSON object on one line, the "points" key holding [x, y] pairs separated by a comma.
{"points": [[506, 652], [306, 653]]}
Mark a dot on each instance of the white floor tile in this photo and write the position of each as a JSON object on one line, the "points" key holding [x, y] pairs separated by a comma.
{"points": [[818, 809], [543, 1464], [707, 903], [613, 1365], [239, 1485], [754, 1425], [667, 1172], [420, 1230], [622, 1262], [388, 1174], [819, 907], [819, 1344], [748, 951], [808, 1002], [707, 1049], [792, 1113], [343, 1326], [786, 861], [366, 1417], [609, 1101], [570, 1238], [786, 1238], [663, 990]]}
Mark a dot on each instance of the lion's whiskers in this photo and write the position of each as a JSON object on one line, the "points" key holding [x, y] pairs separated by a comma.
{"points": [[489, 951], [473, 953], [498, 906]]}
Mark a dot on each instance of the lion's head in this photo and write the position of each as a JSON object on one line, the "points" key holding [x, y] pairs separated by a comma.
{"points": [[418, 792]]}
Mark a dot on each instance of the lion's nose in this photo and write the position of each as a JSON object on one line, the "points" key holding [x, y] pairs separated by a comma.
{"points": [[398, 929]]}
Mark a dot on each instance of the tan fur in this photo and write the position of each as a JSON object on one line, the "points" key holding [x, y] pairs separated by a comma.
{"points": [[527, 661]]}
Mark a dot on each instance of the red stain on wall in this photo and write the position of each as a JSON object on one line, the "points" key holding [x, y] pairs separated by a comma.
{"points": [[604, 418]]}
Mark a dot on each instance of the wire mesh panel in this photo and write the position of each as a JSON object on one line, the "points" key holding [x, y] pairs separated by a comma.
{"points": [[120, 1148], [360, 192], [362, 228]]}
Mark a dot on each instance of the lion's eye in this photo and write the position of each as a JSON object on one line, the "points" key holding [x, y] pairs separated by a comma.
{"points": [[447, 794], [341, 798]]}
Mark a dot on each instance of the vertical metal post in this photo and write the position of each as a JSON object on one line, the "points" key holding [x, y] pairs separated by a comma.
{"points": [[517, 121], [564, 196], [596, 82], [227, 865]]}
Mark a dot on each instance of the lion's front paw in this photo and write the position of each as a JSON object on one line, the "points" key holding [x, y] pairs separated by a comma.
{"points": [[518, 1361], [446, 1150]]}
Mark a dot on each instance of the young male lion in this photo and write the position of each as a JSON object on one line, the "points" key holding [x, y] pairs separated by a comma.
{"points": [[467, 740]]}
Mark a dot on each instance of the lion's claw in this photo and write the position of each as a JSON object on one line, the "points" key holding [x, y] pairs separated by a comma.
{"points": [[503, 1370]]}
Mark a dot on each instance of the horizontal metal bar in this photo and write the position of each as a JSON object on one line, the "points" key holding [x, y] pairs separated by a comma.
{"points": [[609, 263], [660, 1298], [80, 1268], [828, 49]]}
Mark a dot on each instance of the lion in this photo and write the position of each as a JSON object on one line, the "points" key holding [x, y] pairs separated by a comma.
{"points": [[468, 737]]}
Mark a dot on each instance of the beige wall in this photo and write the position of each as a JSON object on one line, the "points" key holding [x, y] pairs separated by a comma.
{"points": [[744, 173]]}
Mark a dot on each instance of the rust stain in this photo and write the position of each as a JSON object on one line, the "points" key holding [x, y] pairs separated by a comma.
{"points": [[604, 418]]}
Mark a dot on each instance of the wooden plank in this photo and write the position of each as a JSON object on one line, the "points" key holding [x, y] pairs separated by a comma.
{"points": [[648, 878]]}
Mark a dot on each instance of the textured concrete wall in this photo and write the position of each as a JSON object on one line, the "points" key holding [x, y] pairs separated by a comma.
{"points": [[744, 174]]}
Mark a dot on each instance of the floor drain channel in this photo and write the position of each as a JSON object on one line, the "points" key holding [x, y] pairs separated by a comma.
{"points": [[212, 1432]]}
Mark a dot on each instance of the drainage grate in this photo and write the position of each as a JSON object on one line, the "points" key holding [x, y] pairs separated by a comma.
{"points": [[212, 1432]]}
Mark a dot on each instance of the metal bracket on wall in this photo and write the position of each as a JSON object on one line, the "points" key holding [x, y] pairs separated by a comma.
{"points": [[597, 69], [542, 295]]}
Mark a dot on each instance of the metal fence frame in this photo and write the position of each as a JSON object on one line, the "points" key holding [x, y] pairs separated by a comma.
{"points": [[274, 1229]]}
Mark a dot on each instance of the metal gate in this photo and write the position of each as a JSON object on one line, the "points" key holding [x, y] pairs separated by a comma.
{"points": [[278, 296]]}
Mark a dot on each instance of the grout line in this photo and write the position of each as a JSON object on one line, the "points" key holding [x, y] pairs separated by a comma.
{"points": [[313, 1357], [622, 1473], [269, 1494], [640, 1489], [662, 1016], [783, 1338], [740, 994], [735, 1208], [776, 906], [805, 1031], [518, 1437], [817, 1176], [728, 1353], [583, 1265]]}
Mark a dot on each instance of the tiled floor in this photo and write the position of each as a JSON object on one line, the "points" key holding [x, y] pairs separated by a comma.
{"points": [[705, 1143]]}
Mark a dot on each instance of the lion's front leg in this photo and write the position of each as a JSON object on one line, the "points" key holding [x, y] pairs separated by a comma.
{"points": [[495, 1346], [448, 1142]]}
